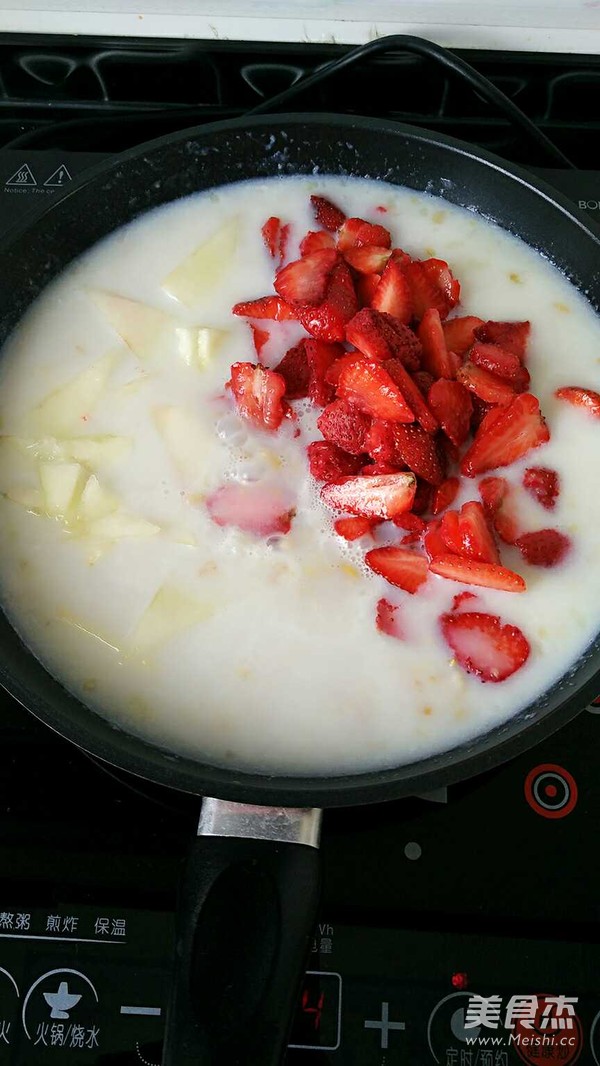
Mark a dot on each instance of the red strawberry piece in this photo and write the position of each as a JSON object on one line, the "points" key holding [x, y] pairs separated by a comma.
{"points": [[380, 442], [477, 541], [417, 449], [423, 380], [270, 235], [444, 495], [438, 272], [510, 335], [320, 356], [461, 599], [411, 522], [327, 322], [519, 428], [294, 370], [424, 293], [402, 567], [253, 508], [433, 542], [453, 407], [368, 385], [334, 372], [497, 500], [366, 286], [305, 280], [373, 469], [578, 397], [436, 358], [258, 394], [449, 453], [358, 233], [481, 411], [489, 387], [271, 307], [545, 547], [460, 333], [501, 362], [316, 241], [381, 209], [483, 646], [284, 236], [400, 256], [388, 619], [327, 214], [380, 336], [450, 533], [329, 463], [345, 426], [412, 395], [472, 572], [260, 338], [352, 528], [384, 496], [370, 259], [410, 538], [393, 294], [543, 484], [422, 500]]}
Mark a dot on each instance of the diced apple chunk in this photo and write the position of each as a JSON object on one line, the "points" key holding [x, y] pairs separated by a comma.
{"points": [[118, 525], [61, 486], [199, 346], [185, 440], [93, 451], [200, 271], [95, 501], [170, 613], [63, 411]]}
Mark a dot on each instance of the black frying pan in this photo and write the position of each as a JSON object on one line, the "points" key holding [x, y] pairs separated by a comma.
{"points": [[249, 896]]}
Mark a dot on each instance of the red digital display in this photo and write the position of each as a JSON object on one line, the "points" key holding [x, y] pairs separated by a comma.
{"points": [[312, 1005]]}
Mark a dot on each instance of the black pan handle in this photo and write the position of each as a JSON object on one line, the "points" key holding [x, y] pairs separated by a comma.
{"points": [[247, 908]]}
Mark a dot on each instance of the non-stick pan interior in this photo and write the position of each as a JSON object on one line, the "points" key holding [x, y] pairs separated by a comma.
{"points": [[148, 176]]}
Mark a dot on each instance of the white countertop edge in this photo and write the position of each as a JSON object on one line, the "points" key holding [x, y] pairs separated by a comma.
{"points": [[214, 28]]}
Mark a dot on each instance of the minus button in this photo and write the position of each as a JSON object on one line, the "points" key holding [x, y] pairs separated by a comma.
{"points": [[154, 1012]]}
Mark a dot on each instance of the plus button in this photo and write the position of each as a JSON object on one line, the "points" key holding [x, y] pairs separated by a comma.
{"points": [[385, 1025]]}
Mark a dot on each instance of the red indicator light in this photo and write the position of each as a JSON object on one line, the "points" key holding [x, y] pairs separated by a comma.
{"points": [[313, 1006], [460, 980]]}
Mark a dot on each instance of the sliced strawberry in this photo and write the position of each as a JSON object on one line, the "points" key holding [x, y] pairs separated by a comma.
{"points": [[453, 407], [335, 370], [380, 442], [423, 380], [489, 387], [431, 285], [384, 496], [417, 449], [497, 499], [345, 426], [450, 533], [380, 336], [400, 256], [422, 500], [412, 395], [357, 233], [316, 241], [366, 287], [475, 536], [483, 646], [366, 384], [410, 538], [270, 235], [295, 372], [320, 356], [543, 484], [436, 358], [438, 272], [578, 397], [370, 259], [458, 603], [327, 214], [519, 428], [449, 453], [481, 411], [284, 236], [501, 362], [388, 619], [258, 394], [402, 567], [433, 542], [329, 463], [510, 335], [545, 547], [444, 495], [305, 280], [460, 333], [472, 572], [413, 523], [393, 294], [271, 307], [327, 322], [374, 469], [352, 528], [252, 508], [260, 337]]}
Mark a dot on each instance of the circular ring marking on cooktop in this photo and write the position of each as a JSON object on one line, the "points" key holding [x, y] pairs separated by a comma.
{"points": [[551, 791]]}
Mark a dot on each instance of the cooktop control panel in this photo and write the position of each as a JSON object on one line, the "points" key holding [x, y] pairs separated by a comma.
{"points": [[90, 985]]}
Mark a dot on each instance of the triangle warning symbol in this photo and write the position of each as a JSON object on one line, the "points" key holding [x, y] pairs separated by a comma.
{"points": [[60, 176], [22, 176]]}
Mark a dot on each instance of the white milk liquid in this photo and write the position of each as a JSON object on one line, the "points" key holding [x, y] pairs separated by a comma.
{"points": [[253, 652]]}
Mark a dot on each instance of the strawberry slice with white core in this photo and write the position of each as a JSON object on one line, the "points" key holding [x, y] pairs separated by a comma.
{"points": [[258, 509], [368, 260], [436, 358], [472, 572], [382, 496], [578, 397], [258, 394], [305, 280], [393, 294], [352, 528], [402, 567], [517, 429], [483, 645], [268, 307], [368, 385], [380, 336]]}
